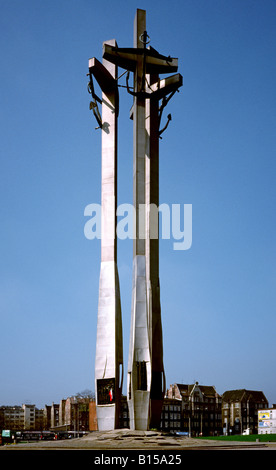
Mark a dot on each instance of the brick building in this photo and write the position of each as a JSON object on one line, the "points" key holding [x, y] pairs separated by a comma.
{"points": [[171, 416], [200, 409], [26, 417], [240, 410], [93, 423]]}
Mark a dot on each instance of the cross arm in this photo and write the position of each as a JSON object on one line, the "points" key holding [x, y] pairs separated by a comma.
{"points": [[127, 58], [168, 85], [102, 75]]}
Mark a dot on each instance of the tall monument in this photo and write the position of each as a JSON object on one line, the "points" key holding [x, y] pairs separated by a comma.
{"points": [[146, 377], [109, 345]]}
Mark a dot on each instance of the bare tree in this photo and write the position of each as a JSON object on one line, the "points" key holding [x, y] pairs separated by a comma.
{"points": [[88, 394]]}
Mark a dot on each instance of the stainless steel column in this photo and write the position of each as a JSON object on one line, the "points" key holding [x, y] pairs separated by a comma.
{"points": [[157, 389], [109, 345], [139, 366]]}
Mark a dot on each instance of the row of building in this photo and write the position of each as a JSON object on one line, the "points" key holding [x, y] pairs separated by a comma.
{"points": [[200, 410], [73, 414], [191, 409]]}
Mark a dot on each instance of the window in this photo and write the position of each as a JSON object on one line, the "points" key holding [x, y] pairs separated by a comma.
{"points": [[129, 385], [141, 375]]}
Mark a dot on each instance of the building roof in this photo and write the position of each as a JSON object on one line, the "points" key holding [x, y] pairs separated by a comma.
{"points": [[184, 390], [244, 395], [207, 390]]}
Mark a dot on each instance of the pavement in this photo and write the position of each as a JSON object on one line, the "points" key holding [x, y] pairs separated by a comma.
{"points": [[125, 439]]}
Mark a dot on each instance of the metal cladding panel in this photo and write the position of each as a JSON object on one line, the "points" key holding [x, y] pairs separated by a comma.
{"points": [[109, 349], [141, 399], [106, 417], [105, 346], [139, 368]]}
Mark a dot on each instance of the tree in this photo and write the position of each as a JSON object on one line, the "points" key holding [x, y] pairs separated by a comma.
{"points": [[85, 394]]}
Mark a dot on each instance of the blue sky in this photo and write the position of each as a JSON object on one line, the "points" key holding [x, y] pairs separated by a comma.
{"points": [[218, 298]]}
